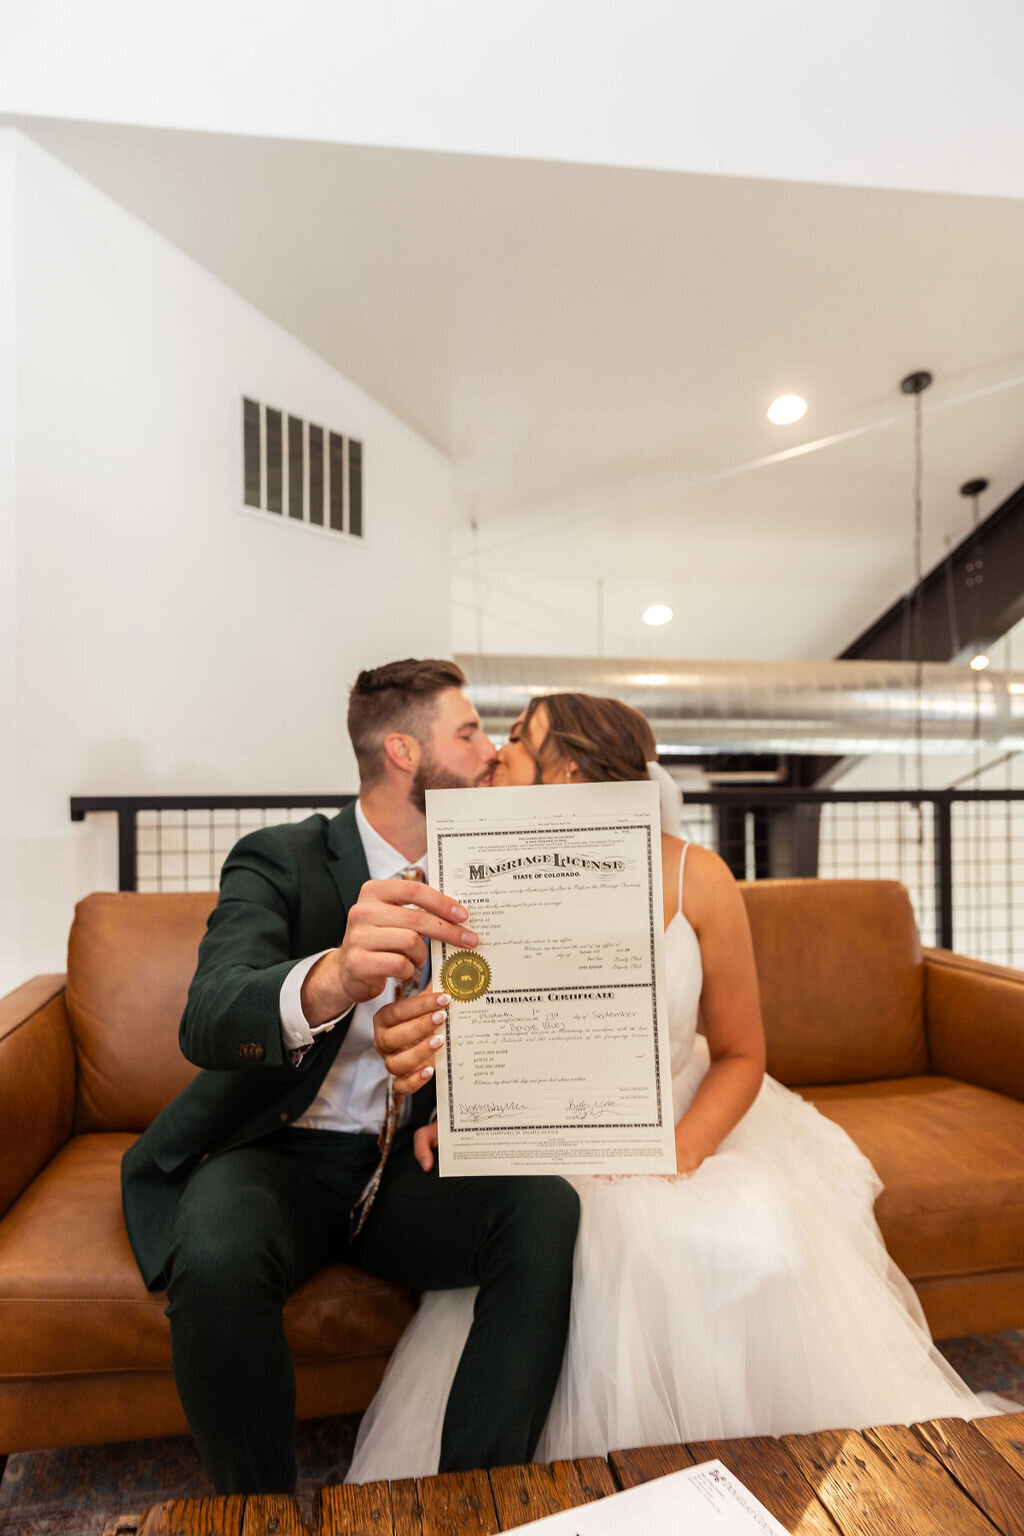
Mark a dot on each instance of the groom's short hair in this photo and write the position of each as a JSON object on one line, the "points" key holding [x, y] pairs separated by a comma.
{"points": [[395, 697]]}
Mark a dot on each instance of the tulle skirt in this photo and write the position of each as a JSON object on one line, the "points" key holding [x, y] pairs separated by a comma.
{"points": [[755, 1297]]}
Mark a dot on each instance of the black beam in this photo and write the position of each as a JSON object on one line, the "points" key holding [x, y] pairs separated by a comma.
{"points": [[961, 604], [731, 836], [126, 850], [793, 835], [942, 835]]}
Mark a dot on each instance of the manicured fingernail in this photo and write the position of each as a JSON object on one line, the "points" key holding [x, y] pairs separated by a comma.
{"points": [[427, 1072], [435, 1042], [459, 913], [468, 936], [439, 1017], [442, 999]]}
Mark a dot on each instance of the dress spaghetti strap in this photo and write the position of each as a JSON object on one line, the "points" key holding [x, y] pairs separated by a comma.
{"points": [[682, 861]]}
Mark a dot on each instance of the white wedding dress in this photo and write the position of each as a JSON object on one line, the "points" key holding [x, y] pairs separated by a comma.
{"points": [[754, 1298]]}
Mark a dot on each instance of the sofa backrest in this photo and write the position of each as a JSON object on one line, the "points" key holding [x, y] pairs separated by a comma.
{"points": [[842, 979], [130, 959], [839, 964]]}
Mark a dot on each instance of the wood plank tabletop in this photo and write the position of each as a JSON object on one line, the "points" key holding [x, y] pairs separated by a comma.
{"points": [[978, 1468], [944, 1478]]}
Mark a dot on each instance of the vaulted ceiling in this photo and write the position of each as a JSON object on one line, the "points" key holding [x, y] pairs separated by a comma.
{"points": [[596, 348]]}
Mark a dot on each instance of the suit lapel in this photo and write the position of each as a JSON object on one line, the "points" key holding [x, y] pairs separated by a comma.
{"points": [[346, 859]]}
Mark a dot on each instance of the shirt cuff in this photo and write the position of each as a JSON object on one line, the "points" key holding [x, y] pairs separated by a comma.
{"points": [[296, 1032]]}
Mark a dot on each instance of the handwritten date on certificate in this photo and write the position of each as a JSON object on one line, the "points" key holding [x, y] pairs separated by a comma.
{"points": [[562, 1064]]}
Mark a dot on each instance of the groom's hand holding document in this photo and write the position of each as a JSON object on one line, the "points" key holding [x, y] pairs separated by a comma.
{"points": [[387, 935], [556, 1052]]}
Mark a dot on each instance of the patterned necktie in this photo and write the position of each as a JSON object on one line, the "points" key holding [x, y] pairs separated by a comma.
{"points": [[361, 1209]]}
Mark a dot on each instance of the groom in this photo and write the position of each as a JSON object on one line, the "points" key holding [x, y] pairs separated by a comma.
{"points": [[252, 1177]]}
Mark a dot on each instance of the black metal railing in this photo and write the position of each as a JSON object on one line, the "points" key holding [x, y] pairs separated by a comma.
{"points": [[960, 853], [179, 842]]}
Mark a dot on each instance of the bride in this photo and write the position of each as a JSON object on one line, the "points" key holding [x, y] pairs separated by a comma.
{"points": [[749, 1294]]}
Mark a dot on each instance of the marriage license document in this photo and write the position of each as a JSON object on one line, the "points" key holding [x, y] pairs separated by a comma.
{"points": [[557, 1054]]}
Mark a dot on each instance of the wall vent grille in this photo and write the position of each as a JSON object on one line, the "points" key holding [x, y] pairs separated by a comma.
{"points": [[301, 472]]}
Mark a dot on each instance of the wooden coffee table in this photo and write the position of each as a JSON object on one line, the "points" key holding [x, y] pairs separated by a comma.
{"points": [[944, 1478]]}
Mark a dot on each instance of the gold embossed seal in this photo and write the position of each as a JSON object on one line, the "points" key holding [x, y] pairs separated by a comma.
{"points": [[465, 976]]}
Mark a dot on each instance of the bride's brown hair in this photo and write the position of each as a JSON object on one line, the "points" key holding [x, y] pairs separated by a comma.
{"points": [[608, 740]]}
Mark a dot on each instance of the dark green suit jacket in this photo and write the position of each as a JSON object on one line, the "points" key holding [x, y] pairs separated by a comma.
{"points": [[285, 893]]}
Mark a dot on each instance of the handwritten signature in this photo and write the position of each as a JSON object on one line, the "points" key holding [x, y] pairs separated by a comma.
{"points": [[589, 1109], [490, 1109]]}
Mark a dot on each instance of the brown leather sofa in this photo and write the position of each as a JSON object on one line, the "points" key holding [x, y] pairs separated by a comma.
{"points": [[919, 1057]]}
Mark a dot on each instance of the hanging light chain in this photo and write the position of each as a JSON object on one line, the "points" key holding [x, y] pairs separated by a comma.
{"points": [[915, 384], [919, 621], [918, 532]]}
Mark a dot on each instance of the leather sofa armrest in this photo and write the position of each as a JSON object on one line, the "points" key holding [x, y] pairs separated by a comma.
{"points": [[37, 1082], [974, 1016]]}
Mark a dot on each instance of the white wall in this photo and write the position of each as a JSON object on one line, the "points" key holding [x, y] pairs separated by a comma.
{"points": [[923, 95], [8, 595], [167, 640]]}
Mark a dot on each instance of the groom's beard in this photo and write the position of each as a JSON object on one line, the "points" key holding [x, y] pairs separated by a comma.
{"points": [[430, 775]]}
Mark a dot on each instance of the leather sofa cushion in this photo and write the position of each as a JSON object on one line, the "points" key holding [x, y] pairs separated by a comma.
{"points": [[951, 1158], [72, 1300], [842, 979], [131, 957]]}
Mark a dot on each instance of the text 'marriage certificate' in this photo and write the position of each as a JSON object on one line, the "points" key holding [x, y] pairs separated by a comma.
{"points": [[557, 1056]]}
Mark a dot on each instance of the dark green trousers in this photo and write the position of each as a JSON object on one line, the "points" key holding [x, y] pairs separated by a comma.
{"points": [[254, 1222]]}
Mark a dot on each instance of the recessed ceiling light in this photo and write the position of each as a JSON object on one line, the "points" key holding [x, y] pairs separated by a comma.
{"points": [[979, 662], [786, 409], [657, 614]]}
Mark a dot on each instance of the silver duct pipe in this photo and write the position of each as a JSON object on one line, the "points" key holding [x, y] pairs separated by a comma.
{"points": [[837, 707]]}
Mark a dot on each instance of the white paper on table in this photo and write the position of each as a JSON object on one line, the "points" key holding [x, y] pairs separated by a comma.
{"points": [[706, 1500], [563, 1064]]}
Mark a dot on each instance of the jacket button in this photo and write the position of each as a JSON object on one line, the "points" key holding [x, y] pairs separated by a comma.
{"points": [[283, 1115], [251, 1052]]}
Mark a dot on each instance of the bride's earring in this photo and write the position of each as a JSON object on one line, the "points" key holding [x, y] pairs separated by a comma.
{"points": [[568, 775]]}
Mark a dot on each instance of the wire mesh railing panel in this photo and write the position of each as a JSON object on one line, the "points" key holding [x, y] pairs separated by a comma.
{"points": [[698, 825], [184, 849], [988, 885], [880, 840], [960, 854]]}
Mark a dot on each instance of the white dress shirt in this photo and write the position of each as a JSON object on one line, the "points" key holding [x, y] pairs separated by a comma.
{"points": [[353, 1095]]}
